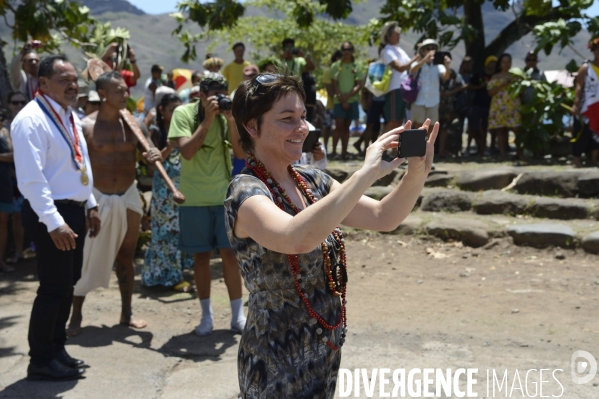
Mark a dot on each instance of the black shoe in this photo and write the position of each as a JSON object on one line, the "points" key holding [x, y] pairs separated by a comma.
{"points": [[63, 357], [54, 371]]}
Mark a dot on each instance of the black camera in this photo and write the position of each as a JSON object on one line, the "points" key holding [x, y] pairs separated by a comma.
{"points": [[412, 143], [224, 102]]}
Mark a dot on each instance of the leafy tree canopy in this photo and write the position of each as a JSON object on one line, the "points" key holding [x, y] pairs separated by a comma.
{"points": [[448, 21], [55, 21]]}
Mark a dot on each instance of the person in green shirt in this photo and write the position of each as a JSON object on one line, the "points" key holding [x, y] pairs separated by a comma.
{"points": [[295, 59], [347, 80], [204, 135]]}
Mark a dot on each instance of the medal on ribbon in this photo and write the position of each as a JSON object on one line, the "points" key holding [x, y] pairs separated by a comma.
{"points": [[74, 145]]}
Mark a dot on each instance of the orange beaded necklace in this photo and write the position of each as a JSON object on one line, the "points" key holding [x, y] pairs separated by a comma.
{"points": [[336, 275]]}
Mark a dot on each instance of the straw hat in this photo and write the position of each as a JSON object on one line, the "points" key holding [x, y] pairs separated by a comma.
{"points": [[428, 42], [387, 28]]}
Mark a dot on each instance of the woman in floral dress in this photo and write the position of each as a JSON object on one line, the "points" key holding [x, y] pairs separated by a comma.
{"points": [[504, 114], [282, 223], [164, 263]]}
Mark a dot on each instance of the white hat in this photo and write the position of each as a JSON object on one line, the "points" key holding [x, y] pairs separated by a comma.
{"points": [[428, 42], [161, 92]]}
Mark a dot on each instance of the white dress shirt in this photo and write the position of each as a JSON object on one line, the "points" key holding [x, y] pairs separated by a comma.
{"points": [[44, 163], [429, 94]]}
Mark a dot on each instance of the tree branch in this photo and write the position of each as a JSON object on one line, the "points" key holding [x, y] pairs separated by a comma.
{"points": [[77, 42], [519, 28], [6, 22], [576, 52]]}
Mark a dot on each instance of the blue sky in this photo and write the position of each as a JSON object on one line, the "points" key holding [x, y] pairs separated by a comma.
{"points": [[167, 6]]}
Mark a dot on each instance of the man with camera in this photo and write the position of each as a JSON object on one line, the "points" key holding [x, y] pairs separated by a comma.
{"points": [[426, 105], [205, 131], [24, 69]]}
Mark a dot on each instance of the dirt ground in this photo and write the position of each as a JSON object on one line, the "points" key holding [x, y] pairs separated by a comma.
{"points": [[413, 302]]}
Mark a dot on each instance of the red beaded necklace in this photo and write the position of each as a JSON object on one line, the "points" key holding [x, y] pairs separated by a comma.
{"points": [[337, 277]]}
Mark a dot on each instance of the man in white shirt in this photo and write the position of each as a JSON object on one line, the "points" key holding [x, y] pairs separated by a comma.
{"points": [[426, 105], [54, 175], [394, 57]]}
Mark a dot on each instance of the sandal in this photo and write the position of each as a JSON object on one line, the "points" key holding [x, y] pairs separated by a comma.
{"points": [[16, 258], [183, 286]]}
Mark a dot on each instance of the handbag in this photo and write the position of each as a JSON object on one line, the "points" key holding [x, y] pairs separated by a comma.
{"points": [[410, 88], [378, 78]]}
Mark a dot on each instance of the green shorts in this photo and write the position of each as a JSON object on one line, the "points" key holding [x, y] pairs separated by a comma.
{"points": [[202, 229], [350, 114]]}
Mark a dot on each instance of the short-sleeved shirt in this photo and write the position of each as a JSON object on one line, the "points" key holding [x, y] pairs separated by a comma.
{"points": [[279, 335], [481, 96], [389, 54], [326, 80], [296, 65], [429, 94], [233, 72], [204, 178], [346, 75]]}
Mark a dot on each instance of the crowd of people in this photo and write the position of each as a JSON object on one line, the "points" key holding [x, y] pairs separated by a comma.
{"points": [[233, 146]]}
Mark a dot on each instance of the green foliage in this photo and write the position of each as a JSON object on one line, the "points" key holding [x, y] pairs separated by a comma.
{"points": [[444, 20], [543, 117], [55, 21], [556, 32], [217, 14]]}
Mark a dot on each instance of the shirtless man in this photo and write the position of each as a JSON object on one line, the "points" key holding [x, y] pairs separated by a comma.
{"points": [[112, 150]]}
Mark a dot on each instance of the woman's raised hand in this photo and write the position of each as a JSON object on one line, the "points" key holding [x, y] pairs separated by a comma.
{"points": [[374, 153], [418, 165]]}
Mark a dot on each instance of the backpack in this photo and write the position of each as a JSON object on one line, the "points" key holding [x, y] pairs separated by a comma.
{"points": [[378, 78]]}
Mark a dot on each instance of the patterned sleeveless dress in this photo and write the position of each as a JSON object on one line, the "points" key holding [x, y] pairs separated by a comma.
{"points": [[281, 355]]}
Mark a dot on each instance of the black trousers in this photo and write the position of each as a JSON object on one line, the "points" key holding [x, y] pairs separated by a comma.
{"points": [[58, 271]]}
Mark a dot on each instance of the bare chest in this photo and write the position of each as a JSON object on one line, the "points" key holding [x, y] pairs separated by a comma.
{"points": [[111, 138]]}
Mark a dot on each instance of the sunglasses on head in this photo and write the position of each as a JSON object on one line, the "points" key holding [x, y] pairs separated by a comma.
{"points": [[531, 60], [260, 80], [18, 102], [264, 78], [347, 49]]}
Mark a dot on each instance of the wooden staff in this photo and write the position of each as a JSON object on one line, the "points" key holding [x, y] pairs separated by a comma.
{"points": [[130, 121]]}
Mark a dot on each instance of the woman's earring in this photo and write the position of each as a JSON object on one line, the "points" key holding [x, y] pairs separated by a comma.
{"points": [[104, 99]]}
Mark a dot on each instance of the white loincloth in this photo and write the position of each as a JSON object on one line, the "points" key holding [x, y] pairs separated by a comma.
{"points": [[99, 253]]}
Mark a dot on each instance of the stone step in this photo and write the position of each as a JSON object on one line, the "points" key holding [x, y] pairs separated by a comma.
{"points": [[477, 231], [499, 202]]}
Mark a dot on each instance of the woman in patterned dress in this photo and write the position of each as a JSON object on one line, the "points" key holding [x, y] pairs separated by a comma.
{"points": [[504, 113], [164, 263], [288, 349]]}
